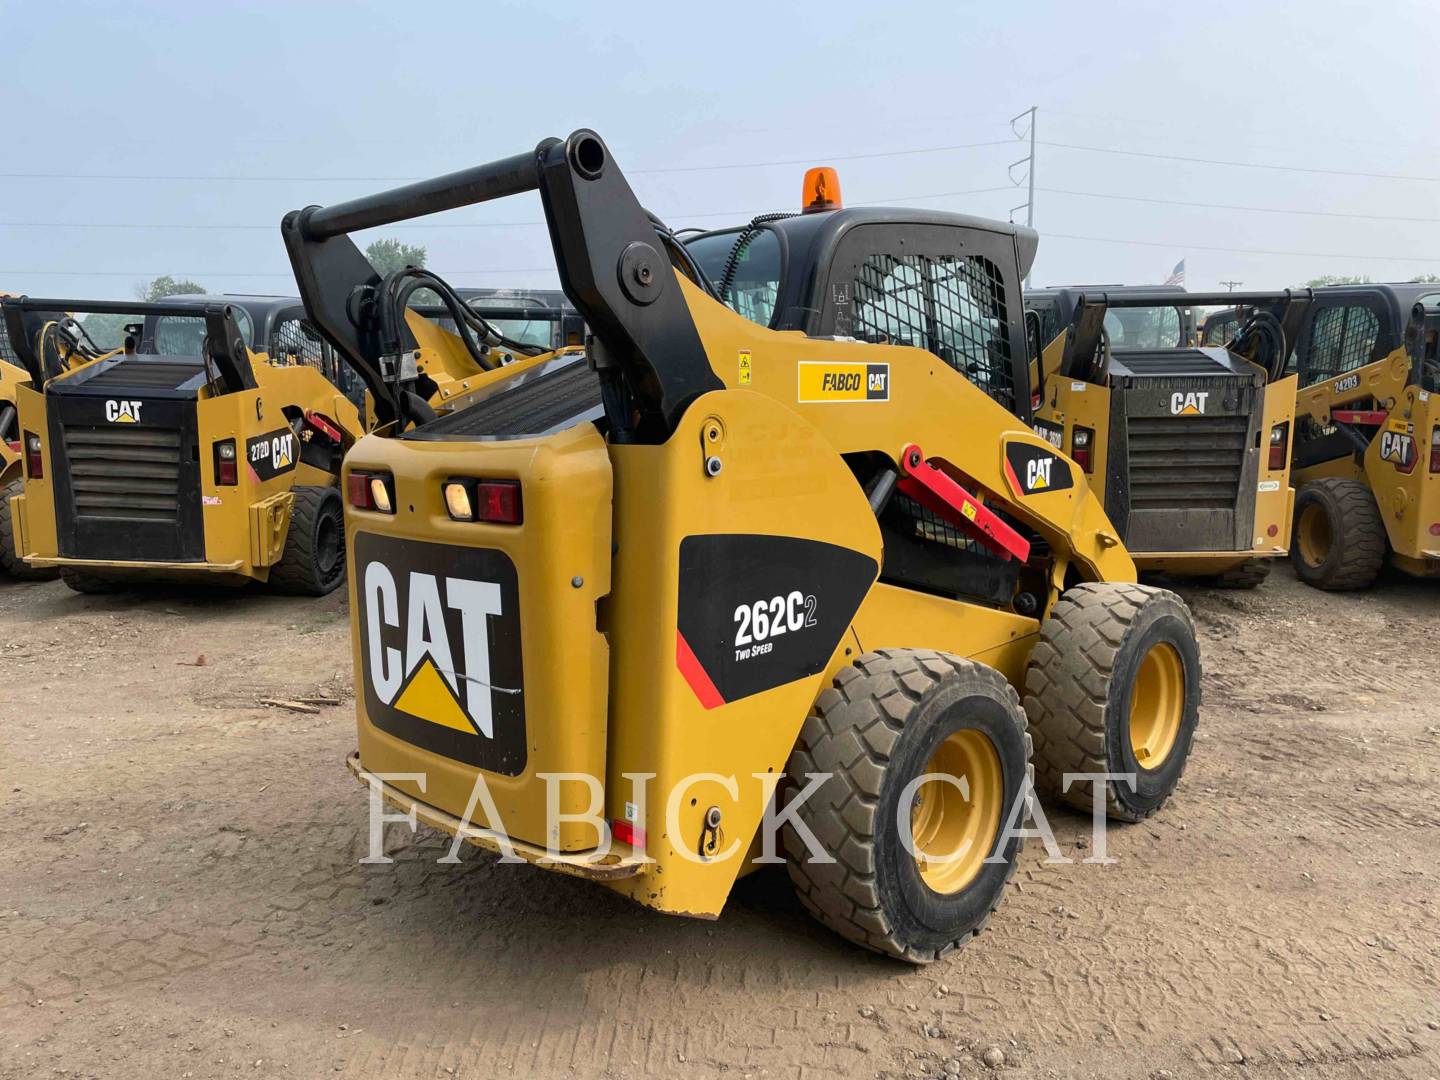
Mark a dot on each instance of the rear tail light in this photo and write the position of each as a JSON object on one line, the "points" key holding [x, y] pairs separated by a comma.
{"points": [[34, 459], [227, 468], [1435, 450], [1278, 439], [493, 501], [371, 491], [1080, 446]]}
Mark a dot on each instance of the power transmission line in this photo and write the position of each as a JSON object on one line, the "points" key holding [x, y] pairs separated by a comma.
{"points": [[1185, 245], [1239, 164], [1247, 209], [719, 167], [275, 226], [1173, 244]]}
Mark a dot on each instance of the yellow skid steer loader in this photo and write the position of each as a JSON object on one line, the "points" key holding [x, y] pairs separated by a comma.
{"points": [[620, 612]]}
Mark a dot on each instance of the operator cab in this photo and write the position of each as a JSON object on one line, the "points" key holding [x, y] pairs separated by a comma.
{"points": [[1167, 325], [943, 282]]}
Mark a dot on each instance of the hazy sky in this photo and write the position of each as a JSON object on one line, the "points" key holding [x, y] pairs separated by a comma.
{"points": [[251, 110]]}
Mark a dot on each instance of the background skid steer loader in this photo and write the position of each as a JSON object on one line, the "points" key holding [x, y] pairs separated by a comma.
{"points": [[1367, 440], [13, 376], [183, 456], [705, 555], [1187, 445]]}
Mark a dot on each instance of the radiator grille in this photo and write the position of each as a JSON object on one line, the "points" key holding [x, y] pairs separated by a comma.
{"points": [[1189, 462], [124, 472]]}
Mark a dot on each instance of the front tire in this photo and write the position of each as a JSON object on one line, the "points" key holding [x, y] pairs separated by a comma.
{"points": [[313, 562], [1339, 540], [895, 716], [1113, 687], [11, 564], [1250, 574], [90, 584]]}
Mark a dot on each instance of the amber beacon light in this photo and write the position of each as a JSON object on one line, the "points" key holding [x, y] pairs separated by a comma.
{"points": [[822, 189]]}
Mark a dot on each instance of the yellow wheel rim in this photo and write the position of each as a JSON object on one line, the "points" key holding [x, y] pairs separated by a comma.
{"points": [[1157, 704], [952, 835], [1314, 534]]}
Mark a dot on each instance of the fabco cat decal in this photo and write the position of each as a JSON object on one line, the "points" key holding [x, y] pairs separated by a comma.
{"points": [[271, 454], [822, 383], [1188, 404], [1399, 449], [758, 612], [440, 649], [1033, 470], [123, 412]]}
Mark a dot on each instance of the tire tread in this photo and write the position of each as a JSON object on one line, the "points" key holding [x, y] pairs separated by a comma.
{"points": [[850, 733]]}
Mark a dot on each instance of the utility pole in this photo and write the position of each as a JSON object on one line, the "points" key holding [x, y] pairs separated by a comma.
{"points": [[1029, 162], [1231, 286]]}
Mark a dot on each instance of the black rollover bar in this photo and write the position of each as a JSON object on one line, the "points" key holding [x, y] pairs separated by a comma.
{"points": [[613, 266], [223, 340], [496, 180]]}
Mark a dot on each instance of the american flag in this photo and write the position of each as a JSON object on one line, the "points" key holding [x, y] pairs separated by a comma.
{"points": [[1177, 276]]}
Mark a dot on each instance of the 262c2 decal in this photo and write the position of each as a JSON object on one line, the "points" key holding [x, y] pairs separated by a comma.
{"points": [[756, 622], [757, 612]]}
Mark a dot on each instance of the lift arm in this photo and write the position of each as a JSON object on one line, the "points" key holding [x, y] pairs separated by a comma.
{"points": [[609, 257]]}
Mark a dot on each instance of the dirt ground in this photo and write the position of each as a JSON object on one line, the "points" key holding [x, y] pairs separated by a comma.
{"points": [[180, 891]]}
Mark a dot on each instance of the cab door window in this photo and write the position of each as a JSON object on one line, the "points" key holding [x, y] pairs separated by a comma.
{"points": [[1341, 339], [952, 306]]}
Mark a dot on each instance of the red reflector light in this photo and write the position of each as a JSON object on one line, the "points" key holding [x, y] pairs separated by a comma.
{"points": [[1082, 458], [1277, 458], [498, 501], [1273, 531], [627, 833], [34, 458], [227, 467], [1435, 459], [1435, 529], [371, 491], [357, 489]]}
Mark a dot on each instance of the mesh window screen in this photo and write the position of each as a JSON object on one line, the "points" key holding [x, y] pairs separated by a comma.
{"points": [[953, 306], [6, 352], [1341, 340], [179, 336], [1219, 331], [288, 340], [925, 524]]}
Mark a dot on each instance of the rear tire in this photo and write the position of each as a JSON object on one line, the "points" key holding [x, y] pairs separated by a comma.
{"points": [[11, 563], [1113, 687], [313, 563], [896, 715], [91, 584], [1339, 540], [1248, 575]]}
